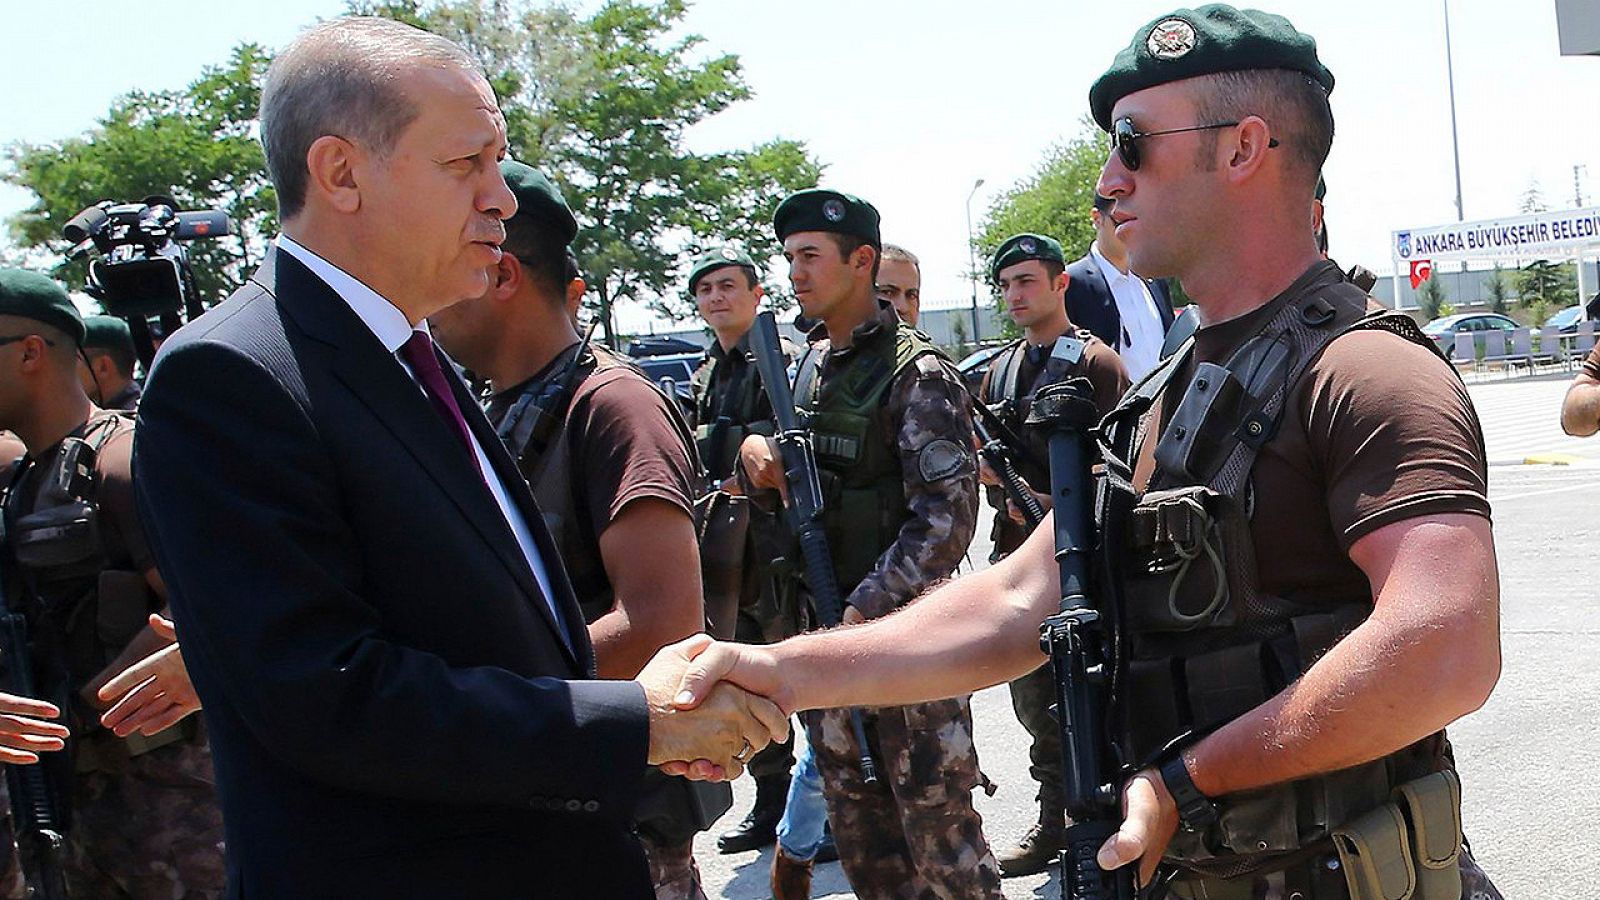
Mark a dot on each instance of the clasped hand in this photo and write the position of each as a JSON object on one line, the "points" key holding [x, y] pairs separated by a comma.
{"points": [[712, 739]]}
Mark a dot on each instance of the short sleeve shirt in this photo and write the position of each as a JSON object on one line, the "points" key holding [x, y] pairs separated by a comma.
{"points": [[1378, 430]]}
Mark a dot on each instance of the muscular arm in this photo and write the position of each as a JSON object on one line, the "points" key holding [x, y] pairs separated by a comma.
{"points": [[653, 562], [1580, 411], [933, 435], [966, 635], [1428, 655]]}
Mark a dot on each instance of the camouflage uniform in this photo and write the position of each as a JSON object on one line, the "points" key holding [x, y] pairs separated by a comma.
{"points": [[914, 833]]}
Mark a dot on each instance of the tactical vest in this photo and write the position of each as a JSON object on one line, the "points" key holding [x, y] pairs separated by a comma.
{"points": [[864, 502], [550, 475], [1011, 401], [1198, 643], [82, 612], [722, 424]]}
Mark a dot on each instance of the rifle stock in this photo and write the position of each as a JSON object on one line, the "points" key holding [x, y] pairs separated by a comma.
{"points": [[805, 496], [997, 453], [1077, 640]]}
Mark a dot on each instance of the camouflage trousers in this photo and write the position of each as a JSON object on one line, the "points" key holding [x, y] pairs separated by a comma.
{"points": [[1329, 885], [912, 835], [148, 826], [1032, 695], [673, 870]]}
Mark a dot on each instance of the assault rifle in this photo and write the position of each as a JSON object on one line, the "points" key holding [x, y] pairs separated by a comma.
{"points": [[1077, 640], [998, 443], [532, 420], [36, 798], [805, 496]]}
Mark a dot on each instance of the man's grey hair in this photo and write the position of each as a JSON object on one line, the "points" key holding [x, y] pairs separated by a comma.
{"points": [[338, 78], [895, 251]]}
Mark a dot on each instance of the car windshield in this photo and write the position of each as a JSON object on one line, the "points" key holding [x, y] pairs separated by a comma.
{"points": [[1440, 326], [1564, 318]]}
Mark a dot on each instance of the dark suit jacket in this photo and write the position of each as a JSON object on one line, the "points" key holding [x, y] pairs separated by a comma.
{"points": [[392, 710], [1091, 305]]}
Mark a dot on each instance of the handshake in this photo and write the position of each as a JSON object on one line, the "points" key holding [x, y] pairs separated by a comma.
{"points": [[712, 707]]}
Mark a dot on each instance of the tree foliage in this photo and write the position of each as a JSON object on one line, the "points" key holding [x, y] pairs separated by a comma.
{"points": [[1055, 200], [602, 103], [196, 145], [1432, 298]]}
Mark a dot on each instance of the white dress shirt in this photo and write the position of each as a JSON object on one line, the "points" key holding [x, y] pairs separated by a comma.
{"points": [[1139, 344], [392, 329]]}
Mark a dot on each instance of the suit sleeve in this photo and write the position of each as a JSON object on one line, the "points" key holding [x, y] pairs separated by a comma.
{"points": [[241, 504]]}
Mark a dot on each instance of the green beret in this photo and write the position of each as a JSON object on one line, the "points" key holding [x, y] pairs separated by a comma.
{"points": [[33, 296], [538, 199], [1022, 247], [714, 259], [1213, 38], [819, 209], [107, 333]]}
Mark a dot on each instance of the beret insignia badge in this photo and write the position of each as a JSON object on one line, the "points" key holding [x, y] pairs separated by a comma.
{"points": [[1028, 245], [833, 211], [728, 253], [1171, 39]]}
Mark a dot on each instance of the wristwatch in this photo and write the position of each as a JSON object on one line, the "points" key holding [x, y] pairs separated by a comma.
{"points": [[1195, 810]]}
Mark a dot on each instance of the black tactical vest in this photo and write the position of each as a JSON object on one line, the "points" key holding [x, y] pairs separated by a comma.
{"points": [[1198, 643], [864, 503]]}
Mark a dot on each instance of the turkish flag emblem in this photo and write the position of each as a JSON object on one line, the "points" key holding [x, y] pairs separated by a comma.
{"points": [[1421, 270]]}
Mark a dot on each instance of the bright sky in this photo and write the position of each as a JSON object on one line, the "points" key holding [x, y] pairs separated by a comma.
{"points": [[909, 102]]}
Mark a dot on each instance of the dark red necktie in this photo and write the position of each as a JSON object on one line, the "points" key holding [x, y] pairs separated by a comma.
{"points": [[418, 353]]}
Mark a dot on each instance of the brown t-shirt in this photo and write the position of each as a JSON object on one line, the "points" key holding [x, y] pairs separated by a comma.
{"points": [[623, 444], [1377, 431], [1591, 363], [1109, 377]]}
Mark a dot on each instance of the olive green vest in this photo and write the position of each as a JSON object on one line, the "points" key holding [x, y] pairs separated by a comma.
{"points": [[864, 501], [723, 419]]}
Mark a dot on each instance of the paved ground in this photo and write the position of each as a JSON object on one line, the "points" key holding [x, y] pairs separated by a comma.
{"points": [[1528, 758]]}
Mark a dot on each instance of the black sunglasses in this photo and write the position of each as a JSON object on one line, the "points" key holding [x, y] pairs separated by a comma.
{"points": [[1125, 140]]}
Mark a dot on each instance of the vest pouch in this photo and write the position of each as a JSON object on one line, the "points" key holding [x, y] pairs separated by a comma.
{"points": [[1432, 809], [58, 541], [1375, 852], [861, 516], [1201, 433], [1149, 708], [1177, 579], [723, 524]]}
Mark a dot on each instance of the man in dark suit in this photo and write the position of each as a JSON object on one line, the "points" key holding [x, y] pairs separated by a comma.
{"points": [[389, 654], [1130, 313]]}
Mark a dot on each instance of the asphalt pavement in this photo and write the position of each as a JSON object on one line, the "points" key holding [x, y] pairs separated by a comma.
{"points": [[1528, 759]]}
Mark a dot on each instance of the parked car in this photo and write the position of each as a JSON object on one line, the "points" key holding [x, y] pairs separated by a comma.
{"points": [[661, 346], [1443, 330], [973, 366], [672, 373], [1566, 320]]}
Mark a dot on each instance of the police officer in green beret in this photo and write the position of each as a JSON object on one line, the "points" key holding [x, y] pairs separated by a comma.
{"points": [[1029, 273], [739, 541], [893, 436], [106, 365], [1295, 516], [145, 819], [612, 466]]}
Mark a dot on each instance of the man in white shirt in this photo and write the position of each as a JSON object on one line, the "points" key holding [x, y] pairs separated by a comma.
{"points": [[1129, 313]]}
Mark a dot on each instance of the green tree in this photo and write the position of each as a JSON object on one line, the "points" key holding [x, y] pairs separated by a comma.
{"points": [[195, 145], [602, 104], [1498, 291], [1054, 200], [1553, 284], [1432, 298]]}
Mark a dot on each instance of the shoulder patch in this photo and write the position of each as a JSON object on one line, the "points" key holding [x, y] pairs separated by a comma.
{"points": [[940, 459]]}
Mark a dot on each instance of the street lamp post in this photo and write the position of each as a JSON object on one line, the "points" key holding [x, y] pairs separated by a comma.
{"points": [[972, 259]]}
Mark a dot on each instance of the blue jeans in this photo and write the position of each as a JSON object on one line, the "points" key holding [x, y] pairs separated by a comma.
{"points": [[805, 814]]}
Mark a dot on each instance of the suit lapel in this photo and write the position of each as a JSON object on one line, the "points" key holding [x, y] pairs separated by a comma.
{"points": [[577, 643], [377, 379]]}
